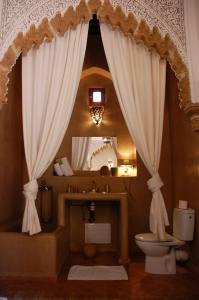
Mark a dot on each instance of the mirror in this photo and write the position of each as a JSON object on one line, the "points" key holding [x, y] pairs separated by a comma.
{"points": [[91, 153]]}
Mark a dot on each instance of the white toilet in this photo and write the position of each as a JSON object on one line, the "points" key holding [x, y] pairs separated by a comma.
{"points": [[160, 256]]}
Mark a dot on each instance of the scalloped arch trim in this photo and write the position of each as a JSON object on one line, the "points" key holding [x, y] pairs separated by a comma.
{"points": [[47, 30]]}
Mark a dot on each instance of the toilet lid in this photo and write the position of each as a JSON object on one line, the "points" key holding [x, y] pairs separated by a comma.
{"points": [[151, 237]]}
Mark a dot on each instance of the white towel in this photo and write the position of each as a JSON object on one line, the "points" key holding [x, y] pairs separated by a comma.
{"points": [[65, 167], [58, 169], [97, 273]]}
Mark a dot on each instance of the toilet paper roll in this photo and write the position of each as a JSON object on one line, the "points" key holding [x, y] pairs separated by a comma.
{"points": [[183, 204]]}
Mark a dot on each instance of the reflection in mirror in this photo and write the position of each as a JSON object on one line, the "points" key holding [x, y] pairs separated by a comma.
{"points": [[91, 153]]}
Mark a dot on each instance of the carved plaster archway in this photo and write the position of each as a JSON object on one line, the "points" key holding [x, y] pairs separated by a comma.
{"points": [[47, 30]]}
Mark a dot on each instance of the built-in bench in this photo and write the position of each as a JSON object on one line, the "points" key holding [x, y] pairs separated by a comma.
{"points": [[38, 256]]}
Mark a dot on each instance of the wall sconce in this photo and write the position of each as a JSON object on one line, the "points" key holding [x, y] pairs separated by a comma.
{"points": [[127, 169], [96, 113], [96, 104]]}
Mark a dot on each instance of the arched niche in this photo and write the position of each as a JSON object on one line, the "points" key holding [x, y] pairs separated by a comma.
{"points": [[96, 70]]}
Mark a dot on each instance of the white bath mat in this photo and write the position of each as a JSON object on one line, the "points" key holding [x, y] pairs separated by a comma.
{"points": [[97, 273]]}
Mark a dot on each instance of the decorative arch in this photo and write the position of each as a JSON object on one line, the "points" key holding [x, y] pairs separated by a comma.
{"points": [[96, 70], [35, 36], [116, 18]]}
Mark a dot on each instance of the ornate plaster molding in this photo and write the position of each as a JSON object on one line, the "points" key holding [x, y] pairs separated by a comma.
{"points": [[152, 38], [166, 15], [35, 36], [117, 18]]}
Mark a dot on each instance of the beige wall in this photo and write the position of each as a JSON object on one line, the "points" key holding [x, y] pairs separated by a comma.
{"points": [[185, 159], [11, 153], [139, 196], [113, 125], [179, 166]]}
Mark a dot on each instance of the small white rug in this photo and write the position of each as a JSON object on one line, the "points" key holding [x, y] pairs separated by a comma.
{"points": [[97, 273]]}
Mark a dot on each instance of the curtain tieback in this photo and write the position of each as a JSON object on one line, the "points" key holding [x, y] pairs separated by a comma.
{"points": [[30, 190], [155, 183]]}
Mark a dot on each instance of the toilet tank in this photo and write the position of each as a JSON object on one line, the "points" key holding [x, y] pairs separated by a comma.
{"points": [[183, 223]]}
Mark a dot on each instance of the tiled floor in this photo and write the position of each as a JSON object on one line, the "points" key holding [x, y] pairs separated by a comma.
{"points": [[140, 286]]}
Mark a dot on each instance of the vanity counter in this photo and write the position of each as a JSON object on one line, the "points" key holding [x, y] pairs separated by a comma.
{"points": [[94, 196]]}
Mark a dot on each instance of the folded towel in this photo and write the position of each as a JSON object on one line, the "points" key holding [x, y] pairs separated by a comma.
{"points": [[58, 169], [65, 167]]}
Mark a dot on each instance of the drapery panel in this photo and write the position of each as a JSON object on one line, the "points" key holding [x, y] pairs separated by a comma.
{"points": [[114, 144], [139, 80], [50, 79], [80, 149]]}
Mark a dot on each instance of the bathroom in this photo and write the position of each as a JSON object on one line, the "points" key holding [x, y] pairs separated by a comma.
{"points": [[178, 164]]}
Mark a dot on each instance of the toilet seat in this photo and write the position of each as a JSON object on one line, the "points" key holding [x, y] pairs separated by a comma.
{"points": [[151, 238]]}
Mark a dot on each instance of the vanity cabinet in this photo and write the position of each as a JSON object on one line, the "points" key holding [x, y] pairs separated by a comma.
{"points": [[63, 217]]}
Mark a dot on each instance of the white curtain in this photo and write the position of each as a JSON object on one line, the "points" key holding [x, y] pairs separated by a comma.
{"points": [[139, 79], [50, 79], [114, 144], [191, 11], [80, 149]]}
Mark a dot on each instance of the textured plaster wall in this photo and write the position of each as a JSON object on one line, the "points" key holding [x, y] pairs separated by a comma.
{"points": [[185, 160], [114, 124], [11, 151]]}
